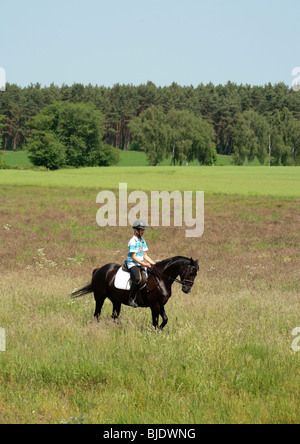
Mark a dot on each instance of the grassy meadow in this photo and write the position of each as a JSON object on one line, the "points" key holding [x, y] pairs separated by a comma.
{"points": [[253, 181], [224, 357], [20, 159], [127, 158]]}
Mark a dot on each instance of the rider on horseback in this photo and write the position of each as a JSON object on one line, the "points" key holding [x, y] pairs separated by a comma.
{"points": [[137, 252]]}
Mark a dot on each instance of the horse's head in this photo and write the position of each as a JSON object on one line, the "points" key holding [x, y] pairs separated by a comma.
{"points": [[188, 275]]}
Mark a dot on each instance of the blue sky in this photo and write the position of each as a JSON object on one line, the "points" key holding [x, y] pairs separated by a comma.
{"points": [[184, 41]]}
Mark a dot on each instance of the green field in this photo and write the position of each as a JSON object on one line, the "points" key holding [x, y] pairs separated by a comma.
{"points": [[127, 158], [16, 159], [136, 158], [224, 357], [260, 181]]}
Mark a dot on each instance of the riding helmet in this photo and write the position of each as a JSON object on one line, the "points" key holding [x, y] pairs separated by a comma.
{"points": [[139, 224]]}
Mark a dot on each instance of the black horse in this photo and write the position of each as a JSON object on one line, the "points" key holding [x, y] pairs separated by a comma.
{"points": [[156, 293]]}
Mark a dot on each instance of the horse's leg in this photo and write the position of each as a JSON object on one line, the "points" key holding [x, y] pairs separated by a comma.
{"points": [[99, 298], [155, 314], [164, 316], [116, 309]]}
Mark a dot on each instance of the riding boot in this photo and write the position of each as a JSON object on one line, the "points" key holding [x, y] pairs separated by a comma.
{"points": [[131, 300]]}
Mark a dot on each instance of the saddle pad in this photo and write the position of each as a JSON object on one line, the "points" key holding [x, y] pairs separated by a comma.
{"points": [[122, 280]]}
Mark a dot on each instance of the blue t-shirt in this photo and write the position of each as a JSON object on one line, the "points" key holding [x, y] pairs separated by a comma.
{"points": [[138, 246]]}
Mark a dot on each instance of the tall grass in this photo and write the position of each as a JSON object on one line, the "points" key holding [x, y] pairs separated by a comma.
{"points": [[224, 357]]}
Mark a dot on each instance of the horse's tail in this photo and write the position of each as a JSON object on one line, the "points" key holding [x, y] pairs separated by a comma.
{"points": [[82, 291]]}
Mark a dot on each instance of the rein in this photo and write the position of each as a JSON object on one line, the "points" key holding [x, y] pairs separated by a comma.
{"points": [[182, 282]]}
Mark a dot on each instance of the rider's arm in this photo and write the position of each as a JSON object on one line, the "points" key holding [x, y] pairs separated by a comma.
{"points": [[134, 257], [148, 259]]}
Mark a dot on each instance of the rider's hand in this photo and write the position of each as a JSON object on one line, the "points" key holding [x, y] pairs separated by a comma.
{"points": [[148, 266]]}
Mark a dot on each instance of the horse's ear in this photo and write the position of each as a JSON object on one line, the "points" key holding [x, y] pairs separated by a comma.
{"points": [[195, 263]]}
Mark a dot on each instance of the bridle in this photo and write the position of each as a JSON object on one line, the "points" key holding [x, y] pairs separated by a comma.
{"points": [[182, 282]]}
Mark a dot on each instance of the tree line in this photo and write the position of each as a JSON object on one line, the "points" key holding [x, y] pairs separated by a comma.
{"points": [[182, 122]]}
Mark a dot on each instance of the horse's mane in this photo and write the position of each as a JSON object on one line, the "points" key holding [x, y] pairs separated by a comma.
{"points": [[172, 259]]}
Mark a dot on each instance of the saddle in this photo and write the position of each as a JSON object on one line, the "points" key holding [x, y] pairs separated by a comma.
{"points": [[123, 281]]}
